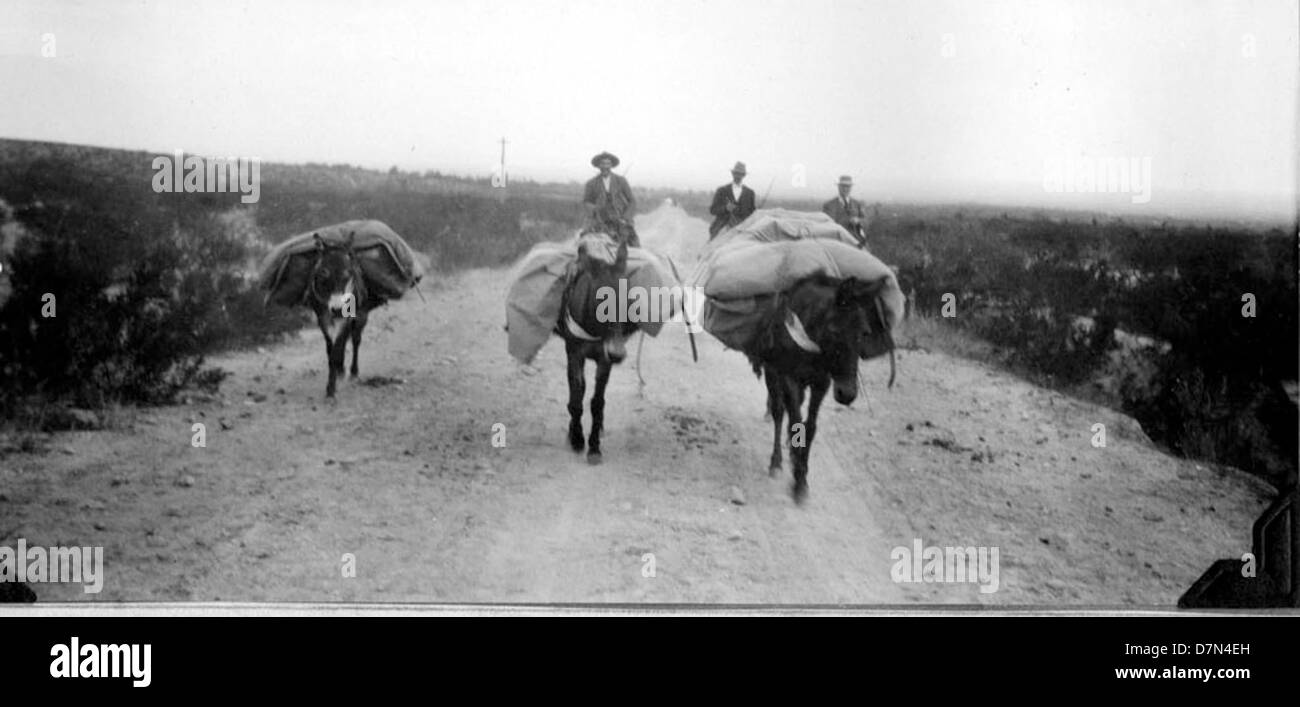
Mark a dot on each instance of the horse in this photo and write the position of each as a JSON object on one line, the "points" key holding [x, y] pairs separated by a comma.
{"points": [[602, 262], [812, 340], [337, 293]]}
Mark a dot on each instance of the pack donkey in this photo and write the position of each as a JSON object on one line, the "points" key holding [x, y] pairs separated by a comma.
{"points": [[337, 293], [812, 340], [601, 262]]}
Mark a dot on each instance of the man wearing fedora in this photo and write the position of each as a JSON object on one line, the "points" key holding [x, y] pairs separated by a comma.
{"points": [[609, 201], [848, 212], [732, 203]]}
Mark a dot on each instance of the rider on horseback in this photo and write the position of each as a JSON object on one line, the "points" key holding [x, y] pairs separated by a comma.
{"points": [[609, 202]]}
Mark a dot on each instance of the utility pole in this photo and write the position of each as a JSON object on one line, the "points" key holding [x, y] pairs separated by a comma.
{"points": [[500, 180]]}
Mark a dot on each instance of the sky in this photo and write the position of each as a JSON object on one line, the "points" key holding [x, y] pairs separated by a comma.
{"points": [[969, 100]]}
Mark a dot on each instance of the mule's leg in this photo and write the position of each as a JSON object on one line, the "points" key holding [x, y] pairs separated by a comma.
{"points": [[577, 389], [817, 393], [598, 411], [358, 325], [322, 320], [338, 354], [776, 410], [793, 395]]}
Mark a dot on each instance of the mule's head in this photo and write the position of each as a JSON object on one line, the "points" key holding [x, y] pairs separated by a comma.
{"points": [[870, 320], [592, 300], [335, 279], [856, 327]]}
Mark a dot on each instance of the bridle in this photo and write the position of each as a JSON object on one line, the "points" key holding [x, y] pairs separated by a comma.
{"points": [[353, 276]]}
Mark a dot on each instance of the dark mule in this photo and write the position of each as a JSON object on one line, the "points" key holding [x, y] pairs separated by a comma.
{"points": [[811, 341], [602, 262], [337, 293]]}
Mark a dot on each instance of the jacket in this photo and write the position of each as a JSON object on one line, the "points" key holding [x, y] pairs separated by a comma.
{"points": [[617, 204], [724, 196], [836, 210]]}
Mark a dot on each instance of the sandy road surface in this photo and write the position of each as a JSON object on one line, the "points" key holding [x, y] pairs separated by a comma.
{"points": [[402, 473]]}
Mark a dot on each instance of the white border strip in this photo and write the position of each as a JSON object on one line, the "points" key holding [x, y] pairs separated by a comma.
{"points": [[290, 610]]}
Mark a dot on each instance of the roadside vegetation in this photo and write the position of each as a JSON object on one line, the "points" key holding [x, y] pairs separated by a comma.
{"points": [[1150, 318]]}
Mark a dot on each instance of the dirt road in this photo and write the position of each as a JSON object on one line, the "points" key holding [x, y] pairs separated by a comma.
{"points": [[401, 472]]}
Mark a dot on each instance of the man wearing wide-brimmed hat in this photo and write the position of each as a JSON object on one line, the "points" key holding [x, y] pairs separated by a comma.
{"points": [[848, 212], [732, 203], [609, 201]]}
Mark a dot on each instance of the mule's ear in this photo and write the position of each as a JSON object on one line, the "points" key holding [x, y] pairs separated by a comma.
{"points": [[320, 242], [352, 237]]}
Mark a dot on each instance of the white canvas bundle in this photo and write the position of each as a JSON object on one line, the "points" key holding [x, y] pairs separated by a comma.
{"points": [[742, 269], [537, 284]]}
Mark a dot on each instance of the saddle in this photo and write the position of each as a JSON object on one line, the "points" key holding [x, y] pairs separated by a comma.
{"points": [[617, 227]]}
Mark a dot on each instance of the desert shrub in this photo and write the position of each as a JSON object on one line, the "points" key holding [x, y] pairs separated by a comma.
{"points": [[141, 288], [1051, 294], [1219, 394], [1055, 348], [215, 290], [476, 229], [1240, 422]]}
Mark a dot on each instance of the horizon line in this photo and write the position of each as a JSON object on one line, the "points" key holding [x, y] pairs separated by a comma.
{"points": [[1283, 216]]}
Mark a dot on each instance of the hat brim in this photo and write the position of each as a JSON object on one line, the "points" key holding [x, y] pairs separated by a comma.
{"points": [[595, 161]]}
